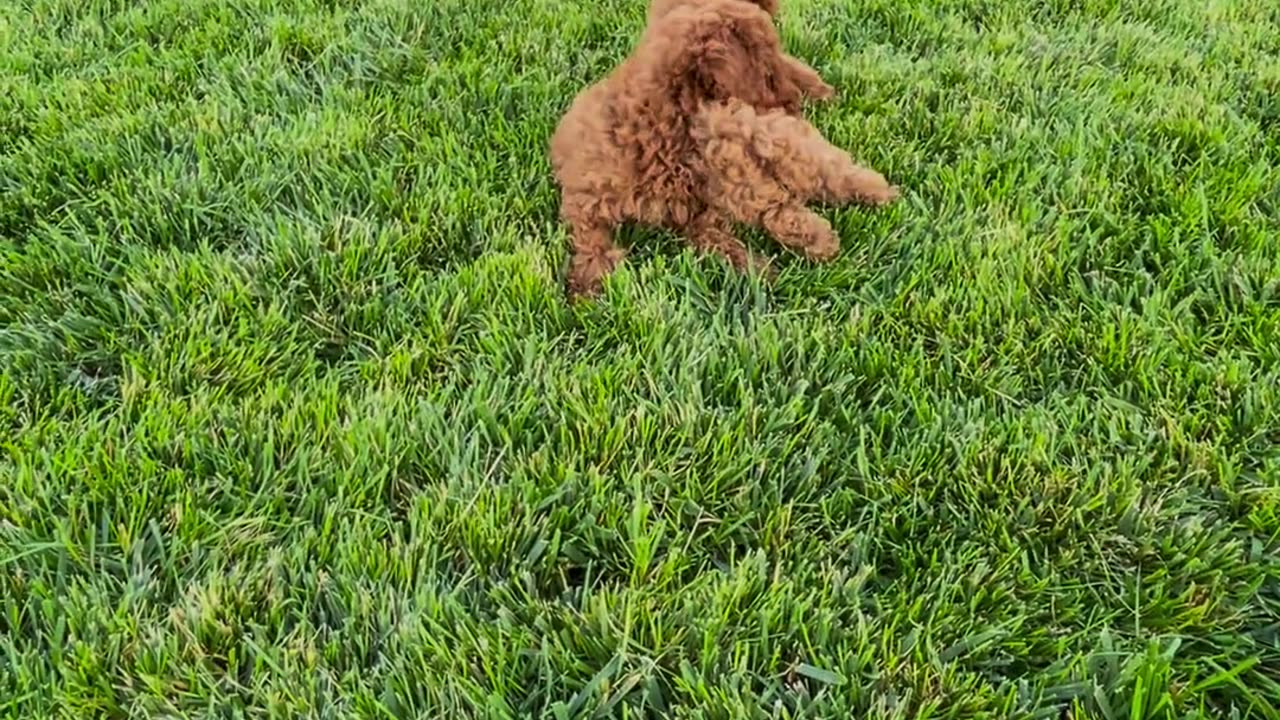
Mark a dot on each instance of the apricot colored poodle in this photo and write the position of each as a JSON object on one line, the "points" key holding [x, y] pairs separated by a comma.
{"points": [[699, 129]]}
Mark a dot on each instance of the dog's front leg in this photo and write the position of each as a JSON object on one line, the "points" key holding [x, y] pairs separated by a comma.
{"points": [[712, 234], [592, 257]]}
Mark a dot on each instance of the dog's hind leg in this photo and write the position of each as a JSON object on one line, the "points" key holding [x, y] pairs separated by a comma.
{"points": [[742, 185], [800, 158], [794, 154], [750, 196]]}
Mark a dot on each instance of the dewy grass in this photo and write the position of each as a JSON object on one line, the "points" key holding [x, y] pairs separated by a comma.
{"points": [[295, 422]]}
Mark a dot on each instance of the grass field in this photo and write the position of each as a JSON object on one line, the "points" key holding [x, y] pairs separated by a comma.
{"points": [[295, 422]]}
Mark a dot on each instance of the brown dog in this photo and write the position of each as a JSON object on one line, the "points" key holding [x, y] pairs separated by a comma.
{"points": [[698, 129]]}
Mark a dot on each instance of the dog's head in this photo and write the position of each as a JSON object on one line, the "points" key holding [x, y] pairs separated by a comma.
{"points": [[714, 50]]}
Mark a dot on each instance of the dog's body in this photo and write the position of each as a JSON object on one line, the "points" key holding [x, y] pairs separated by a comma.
{"points": [[698, 129]]}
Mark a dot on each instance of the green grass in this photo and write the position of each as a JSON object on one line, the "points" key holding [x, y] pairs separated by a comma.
{"points": [[295, 422]]}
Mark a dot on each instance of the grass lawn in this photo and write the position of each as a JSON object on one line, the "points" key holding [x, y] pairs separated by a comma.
{"points": [[294, 420]]}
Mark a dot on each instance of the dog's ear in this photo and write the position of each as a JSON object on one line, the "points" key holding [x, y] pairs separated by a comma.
{"points": [[739, 55]]}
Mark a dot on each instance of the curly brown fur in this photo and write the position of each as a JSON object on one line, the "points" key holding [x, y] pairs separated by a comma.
{"points": [[698, 129]]}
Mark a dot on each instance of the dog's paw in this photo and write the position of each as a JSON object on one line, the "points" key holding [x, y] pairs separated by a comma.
{"points": [[863, 186], [577, 291], [882, 195], [763, 267], [822, 91], [822, 251], [585, 278], [821, 243]]}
